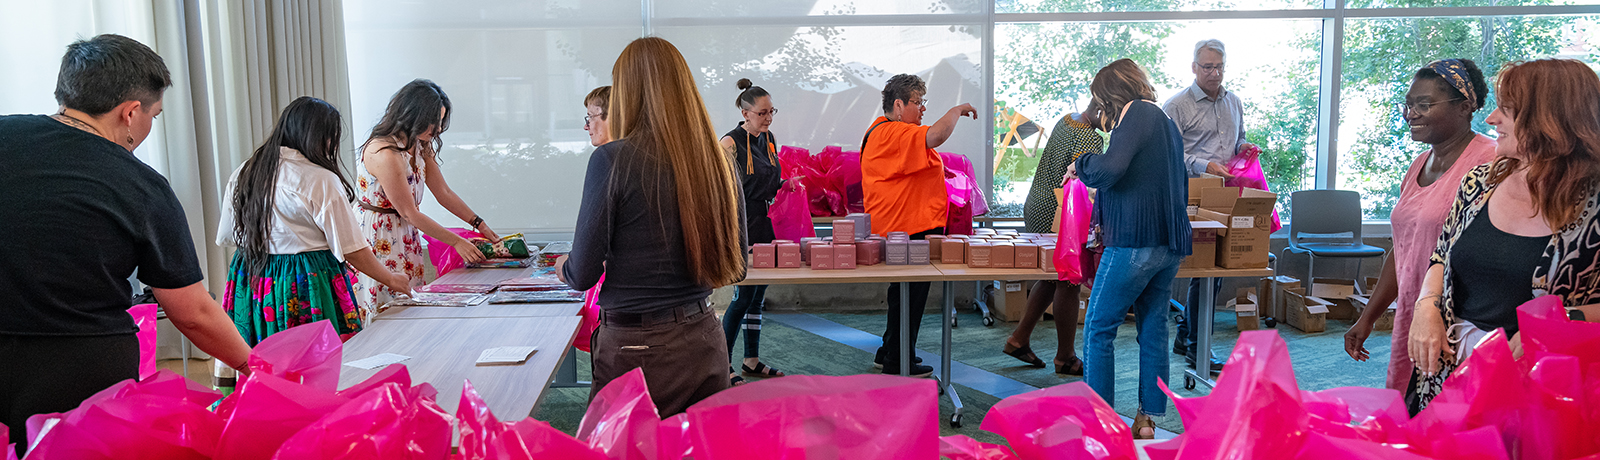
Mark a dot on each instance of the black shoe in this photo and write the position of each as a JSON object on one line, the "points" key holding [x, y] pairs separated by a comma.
{"points": [[1216, 364], [917, 370], [1178, 348], [878, 360]]}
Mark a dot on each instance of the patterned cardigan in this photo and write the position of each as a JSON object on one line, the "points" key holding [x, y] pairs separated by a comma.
{"points": [[1570, 267]]}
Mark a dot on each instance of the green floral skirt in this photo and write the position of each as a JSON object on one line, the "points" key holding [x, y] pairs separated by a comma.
{"points": [[294, 289]]}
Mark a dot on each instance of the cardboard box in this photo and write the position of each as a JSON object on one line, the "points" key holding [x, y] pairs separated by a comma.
{"points": [[1027, 255], [844, 231], [953, 251], [1384, 323], [1204, 241], [1199, 184], [1337, 292], [789, 255], [897, 252], [869, 252], [821, 256], [763, 255], [983, 231], [901, 235], [979, 254], [919, 253], [1304, 312], [1246, 309], [844, 256], [1271, 294], [1247, 218], [1047, 257], [1003, 255], [1010, 300], [1006, 231], [935, 247]]}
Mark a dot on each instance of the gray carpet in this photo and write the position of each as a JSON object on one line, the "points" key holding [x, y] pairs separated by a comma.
{"points": [[1319, 361]]}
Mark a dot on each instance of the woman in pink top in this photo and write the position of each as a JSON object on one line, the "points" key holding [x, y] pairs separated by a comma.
{"points": [[1439, 108]]}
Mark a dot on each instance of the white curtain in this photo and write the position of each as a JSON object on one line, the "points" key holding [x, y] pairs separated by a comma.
{"points": [[234, 66]]}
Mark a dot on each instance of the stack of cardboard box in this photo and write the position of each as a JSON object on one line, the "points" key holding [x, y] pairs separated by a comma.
{"points": [[1246, 216]]}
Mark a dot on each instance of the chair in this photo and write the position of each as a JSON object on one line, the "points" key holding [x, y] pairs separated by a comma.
{"points": [[1326, 216]]}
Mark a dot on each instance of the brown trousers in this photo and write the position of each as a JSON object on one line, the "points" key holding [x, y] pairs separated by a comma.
{"points": [[684, 361]]}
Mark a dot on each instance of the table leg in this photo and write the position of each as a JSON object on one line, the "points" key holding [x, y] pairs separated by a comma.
{"points": [[1201, 374], [944, 353], [567, 375], [905, 329]]}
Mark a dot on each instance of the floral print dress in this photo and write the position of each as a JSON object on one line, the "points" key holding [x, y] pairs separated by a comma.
{"points": [[396, 242]]}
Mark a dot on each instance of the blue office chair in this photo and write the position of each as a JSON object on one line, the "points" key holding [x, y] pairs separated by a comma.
{"points": [[1326, 216]]}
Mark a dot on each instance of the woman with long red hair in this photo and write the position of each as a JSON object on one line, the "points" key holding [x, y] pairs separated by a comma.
{"points": [[1528, 215]]}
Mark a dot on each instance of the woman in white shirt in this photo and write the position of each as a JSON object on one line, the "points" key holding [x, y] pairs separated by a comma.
{"points": [[291, 219]]}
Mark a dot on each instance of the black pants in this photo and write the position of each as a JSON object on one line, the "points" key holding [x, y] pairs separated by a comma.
{"points": [[41, 375], [744, 313], [919, 304], [682, 364], [1188, 333]]}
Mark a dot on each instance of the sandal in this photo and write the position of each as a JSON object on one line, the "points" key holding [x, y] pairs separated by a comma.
{"points": [[735, 380], [1073, 368], [1024, 354], [1140, 422], [761, 370]]}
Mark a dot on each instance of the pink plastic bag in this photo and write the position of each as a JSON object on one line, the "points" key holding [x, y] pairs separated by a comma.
{"points": [[962, 164], [1258, 397], [1490, 389], [591, 316], [144, 316], [307, 354], [389, 422], [163, 417], [267, 410], [813, 416], [1061, 422], [622, 421], [1071, 262], [790, 213], [484, 437], [1246, 170], [961, 447], [444, 256]]}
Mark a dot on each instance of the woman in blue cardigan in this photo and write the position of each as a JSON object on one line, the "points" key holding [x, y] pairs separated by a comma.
{"points": [[1140, 212]]}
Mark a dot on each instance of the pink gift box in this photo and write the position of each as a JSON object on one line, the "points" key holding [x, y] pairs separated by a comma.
{"points": [[821, 256], [1027, 255], [789, 255], [844, 231], [844, 256], [978, 254], [763, 255]]}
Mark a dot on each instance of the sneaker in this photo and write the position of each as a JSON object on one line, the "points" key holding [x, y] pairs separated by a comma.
{"points": [[877, 360], [917, 370]]}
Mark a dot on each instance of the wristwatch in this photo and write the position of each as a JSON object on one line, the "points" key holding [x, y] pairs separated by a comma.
{"points": [[1575, 314]]}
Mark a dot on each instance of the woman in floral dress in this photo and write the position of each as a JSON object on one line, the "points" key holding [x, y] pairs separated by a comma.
{"points": [[399, 158]]}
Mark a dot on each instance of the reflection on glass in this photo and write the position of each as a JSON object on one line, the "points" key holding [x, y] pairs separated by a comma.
{"points": [[1043, 71], [790, 8], [1436, 3], [1380, 57], [1093, 6]]}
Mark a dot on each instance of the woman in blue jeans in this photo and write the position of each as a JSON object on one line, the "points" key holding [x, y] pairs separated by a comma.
{"points": [[1142, 193]]}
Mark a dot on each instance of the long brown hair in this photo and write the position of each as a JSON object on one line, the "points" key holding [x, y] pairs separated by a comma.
{"points": [[413, 110], [308, 125], [1555, 105], [656, 108], [1115, 85]]}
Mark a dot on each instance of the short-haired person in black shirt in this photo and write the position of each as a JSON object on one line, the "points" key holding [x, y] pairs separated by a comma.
{"points": [[81, 214]]}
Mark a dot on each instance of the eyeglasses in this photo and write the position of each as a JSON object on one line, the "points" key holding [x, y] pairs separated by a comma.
{"points": [[1422, 108], [923, 102], [587, 118], [765, 113], [1212, 68]]}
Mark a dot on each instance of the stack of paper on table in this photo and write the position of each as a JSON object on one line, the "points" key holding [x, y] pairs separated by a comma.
{"points": [[550, 296], [434, 299], [506, 355], [503, 263], [457, 288]]}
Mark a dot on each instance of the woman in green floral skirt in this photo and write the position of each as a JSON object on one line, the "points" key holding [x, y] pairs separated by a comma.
{"points": [[291, 220]]}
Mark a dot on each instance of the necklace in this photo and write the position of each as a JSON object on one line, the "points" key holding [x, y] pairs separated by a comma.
{"points": [[76, 123]]}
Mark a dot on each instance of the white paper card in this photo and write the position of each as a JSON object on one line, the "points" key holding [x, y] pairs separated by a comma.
{"points": [[1244, 221], [506, 355], [377, 361], [1193, 210]]}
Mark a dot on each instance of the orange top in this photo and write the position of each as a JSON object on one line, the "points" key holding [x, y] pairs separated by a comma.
{"points": [[902, 180]]}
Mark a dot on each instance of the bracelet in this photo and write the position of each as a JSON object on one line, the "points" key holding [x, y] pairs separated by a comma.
{"points": [[475, 222]]}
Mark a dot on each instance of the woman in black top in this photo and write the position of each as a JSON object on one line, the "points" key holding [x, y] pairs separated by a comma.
{"points": [[660, 217], [755, 157], [81, 214]]}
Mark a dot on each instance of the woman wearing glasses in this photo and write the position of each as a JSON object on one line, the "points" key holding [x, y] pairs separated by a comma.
{"points": [[594, 121], [1439, 107], [755, 155]]}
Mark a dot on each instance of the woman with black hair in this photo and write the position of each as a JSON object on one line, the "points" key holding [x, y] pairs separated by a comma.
{"points": [[755, 155], [291, 220], [399, 158]]}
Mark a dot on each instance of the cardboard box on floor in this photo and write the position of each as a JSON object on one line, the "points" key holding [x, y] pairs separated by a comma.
{"points": [[1337, 292], [1385, 322], [1010, 300], [1204, 241], [1246, 307], [1271, 295], [1304, 312], [1247, 217]]}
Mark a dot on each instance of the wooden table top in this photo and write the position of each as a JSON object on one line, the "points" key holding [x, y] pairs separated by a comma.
{"points": [[961, 272], [880, 273], [481, 275], [444, 352], [484, 310]]}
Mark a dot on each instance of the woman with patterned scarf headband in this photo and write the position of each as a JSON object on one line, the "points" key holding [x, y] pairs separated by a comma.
{"points": [[1439, 108], [1533, 214]]}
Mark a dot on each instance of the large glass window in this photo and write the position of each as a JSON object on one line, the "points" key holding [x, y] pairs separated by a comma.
{"points": [[1380, 57]]}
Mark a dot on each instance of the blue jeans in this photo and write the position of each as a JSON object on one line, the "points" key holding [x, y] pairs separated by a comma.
{"points": [[744, 313], [1140, 279]]}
